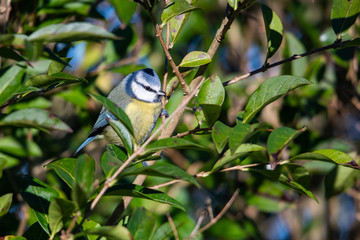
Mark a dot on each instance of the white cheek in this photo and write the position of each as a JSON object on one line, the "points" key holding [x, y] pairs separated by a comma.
{"points": [[143, 95]]}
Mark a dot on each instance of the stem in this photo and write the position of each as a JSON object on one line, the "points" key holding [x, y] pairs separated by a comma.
{"points": [[264, 68]]}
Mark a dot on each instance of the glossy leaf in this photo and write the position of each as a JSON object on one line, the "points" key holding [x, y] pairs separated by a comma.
{"points": [[233, 3], [274, 30], [70, 32], [162, 170], [343, 15], [60, 211], [64, 168], [220, 135], [269, 91], [175, 8], [328, 155], [34, 118], [5, 203], [243, 150], [195, 59], [114, 109], [111, 232], [10, 82], [142, 192]]}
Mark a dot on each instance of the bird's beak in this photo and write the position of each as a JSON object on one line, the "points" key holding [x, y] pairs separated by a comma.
{"points": [[161, 93]]}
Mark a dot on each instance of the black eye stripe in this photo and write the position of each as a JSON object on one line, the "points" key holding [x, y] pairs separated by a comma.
{"points": [[148, 88]]}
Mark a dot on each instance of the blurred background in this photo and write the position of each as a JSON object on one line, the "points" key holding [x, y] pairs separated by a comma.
{"points": [[264, 209]]}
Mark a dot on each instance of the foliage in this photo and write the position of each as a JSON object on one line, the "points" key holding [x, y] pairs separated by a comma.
{"points": [[283, 141]]}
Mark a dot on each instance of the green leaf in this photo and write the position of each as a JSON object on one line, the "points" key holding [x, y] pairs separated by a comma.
{"points": [[269, 91], [233, 3], [5, 203], [343, 15], [79, 196], [70, 32], [339, 180], [10, 82], [65, 168], [353, 43], [7, 161], [212, 91], [146, 229], [35, 118], [114, 109], [195, 59], [237, 135], [328, 155], [175, 143], [10, 53], [163, 232], [109, 163], [123, 133], [243, 150], [60, 211], [278, 140], [58, 66], [142, 192], [220, 135], [294, 46], [19, 149], [35, 231], [274, 30], [111, 232], [165, 170], [44, 80], [177, 23], [125, 9], [84, 172], [175, 8]]}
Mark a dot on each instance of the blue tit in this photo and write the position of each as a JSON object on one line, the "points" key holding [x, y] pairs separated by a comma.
{"points": [[139, 95]]}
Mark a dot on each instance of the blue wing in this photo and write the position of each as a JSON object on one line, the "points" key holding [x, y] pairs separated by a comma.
{"points": [[100, 124]]}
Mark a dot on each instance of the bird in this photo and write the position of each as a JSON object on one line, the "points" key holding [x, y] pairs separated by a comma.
{"points": [[139, 95]]}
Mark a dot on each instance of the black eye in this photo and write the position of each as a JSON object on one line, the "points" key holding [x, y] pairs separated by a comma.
{"points": [[147, 88]]}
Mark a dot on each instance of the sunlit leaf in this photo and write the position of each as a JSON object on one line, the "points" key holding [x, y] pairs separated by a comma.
{"points": [[175, 8], [269, 91], [44, 80], [34, 118], [243, 150], [274, 30], [58, 66], [237, 135], [123, 133], [195, 59], [5, 203], [10, 82], [70, 32], [328, 155], [295, 46], [64, 168], [344, 14]]}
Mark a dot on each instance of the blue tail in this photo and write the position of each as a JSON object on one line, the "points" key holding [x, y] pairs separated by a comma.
{"points": [[87, 141]]}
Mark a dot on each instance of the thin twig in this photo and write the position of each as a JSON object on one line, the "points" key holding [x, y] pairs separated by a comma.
{"points": [[165, 184], [209, 208], [264, 68], [173, 227], [240, 167], [198, 224], [221, 213], [166, 50], [195, 130]]}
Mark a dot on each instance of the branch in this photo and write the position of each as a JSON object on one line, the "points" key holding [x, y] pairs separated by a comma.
{"points": [[215, 219], [264, 68], [195, 130]]}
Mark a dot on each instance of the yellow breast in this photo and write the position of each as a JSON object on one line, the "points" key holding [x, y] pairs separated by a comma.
{"points": [[143, 117]]}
